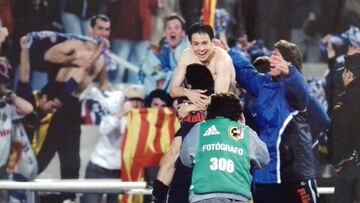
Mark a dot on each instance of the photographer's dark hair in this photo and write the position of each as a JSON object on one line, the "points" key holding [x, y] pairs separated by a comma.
{"points": [[200, 28], [199, 77], [226, 105]]}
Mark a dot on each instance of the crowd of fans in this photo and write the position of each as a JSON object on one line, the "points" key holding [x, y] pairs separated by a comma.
{"points": [[65, 63]]}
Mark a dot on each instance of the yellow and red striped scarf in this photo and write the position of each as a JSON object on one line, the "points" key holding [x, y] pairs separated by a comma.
{"points": [[148, 135]]}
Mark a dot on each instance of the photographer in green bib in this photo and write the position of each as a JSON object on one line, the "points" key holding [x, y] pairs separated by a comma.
{"points": [[223, 152]]}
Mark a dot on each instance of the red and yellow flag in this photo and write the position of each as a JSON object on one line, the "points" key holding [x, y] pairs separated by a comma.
{"points": [[209, 7], [148, 136]]}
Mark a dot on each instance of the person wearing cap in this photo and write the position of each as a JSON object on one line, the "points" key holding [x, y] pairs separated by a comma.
{"points": [[344, 135], [105, 160], [12, 107], [281, 98]]}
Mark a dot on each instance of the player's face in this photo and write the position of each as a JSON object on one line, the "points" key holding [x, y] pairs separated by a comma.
{"points": [[173, 33], [202, 46], [101, 29], [274, 71]]}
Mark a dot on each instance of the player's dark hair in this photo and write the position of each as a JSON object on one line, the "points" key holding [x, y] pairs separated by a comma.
{"points": [[199, 77], [200, 28]]}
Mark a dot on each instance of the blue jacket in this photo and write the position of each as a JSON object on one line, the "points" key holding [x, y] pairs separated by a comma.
{"points": [[277, 102], [160, 65]]}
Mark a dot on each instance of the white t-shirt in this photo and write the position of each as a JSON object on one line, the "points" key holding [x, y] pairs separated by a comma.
{"points": [[107, 153]]}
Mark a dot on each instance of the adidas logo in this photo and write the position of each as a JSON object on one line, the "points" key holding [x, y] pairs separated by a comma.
{"points": [[211, 131]]}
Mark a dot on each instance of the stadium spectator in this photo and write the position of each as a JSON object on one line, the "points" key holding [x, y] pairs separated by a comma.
{"points": [[100, 28], [11, 107], [160, 62], [105, 160], [157, 99]]}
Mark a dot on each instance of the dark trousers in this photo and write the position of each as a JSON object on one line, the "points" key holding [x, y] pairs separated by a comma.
{"points": [[64, 138], [95, 171], [294, 192], [347, 185], [180, 185]]}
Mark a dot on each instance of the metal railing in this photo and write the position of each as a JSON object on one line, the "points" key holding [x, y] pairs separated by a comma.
{"points": [[93, 186], [77, 186]]}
